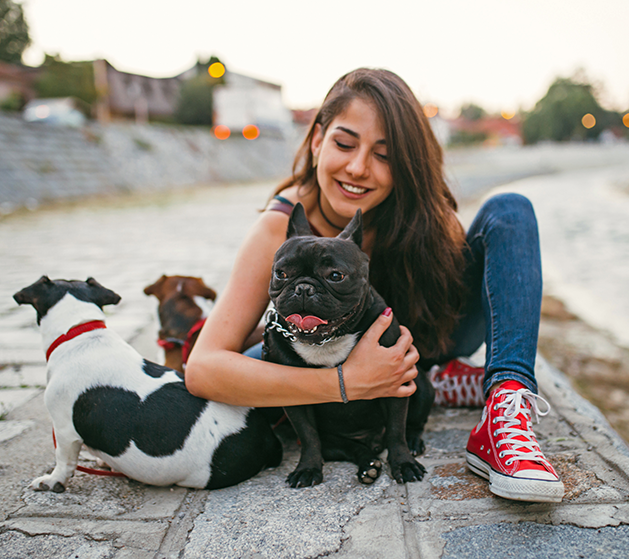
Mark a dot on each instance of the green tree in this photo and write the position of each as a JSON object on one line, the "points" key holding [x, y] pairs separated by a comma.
{"points": [[470, 111], [196, 104], [558, 115], [66, 79], [14, 37], [196, 96]]}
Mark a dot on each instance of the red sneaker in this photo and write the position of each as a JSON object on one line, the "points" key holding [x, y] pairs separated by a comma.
{"points": [[503, 449], [458, 384]]}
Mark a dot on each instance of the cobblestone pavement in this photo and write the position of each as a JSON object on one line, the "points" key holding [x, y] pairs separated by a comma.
{"points": [[127, 245]]}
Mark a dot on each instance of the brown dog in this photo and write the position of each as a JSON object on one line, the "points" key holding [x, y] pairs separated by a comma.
{"points": [[182, 311]]}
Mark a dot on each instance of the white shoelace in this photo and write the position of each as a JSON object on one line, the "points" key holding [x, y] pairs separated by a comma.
{"points": [[468, 389], [515, 404]]}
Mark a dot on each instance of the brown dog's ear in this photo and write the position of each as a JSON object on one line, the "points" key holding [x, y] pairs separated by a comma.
{"points": [[156, 288], [354, 229], [208, 293], [298, 225], [195, 287], [101, 295]]}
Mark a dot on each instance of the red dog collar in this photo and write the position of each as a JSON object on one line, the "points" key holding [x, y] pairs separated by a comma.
{"points": [[73, 333], [187, 347]]}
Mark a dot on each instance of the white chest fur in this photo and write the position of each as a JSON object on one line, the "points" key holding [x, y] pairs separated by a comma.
{"points": [[327, 355]]}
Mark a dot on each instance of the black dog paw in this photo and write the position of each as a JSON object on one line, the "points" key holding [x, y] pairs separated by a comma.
{"points": [[370, 472], [408, 471], [305, 477], [415, 443]]}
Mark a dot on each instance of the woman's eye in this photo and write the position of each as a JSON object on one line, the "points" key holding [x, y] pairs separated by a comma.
{"points": [[382, 156], [336, 276], [280, 274], [342, 145]]}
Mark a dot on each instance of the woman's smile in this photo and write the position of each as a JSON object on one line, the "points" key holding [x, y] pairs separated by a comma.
{"points": [[353, 191]]}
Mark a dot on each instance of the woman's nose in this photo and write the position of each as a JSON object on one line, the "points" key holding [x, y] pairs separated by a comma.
{"points": [[358, 165]]}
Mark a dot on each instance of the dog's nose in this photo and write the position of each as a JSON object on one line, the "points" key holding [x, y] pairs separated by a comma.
{"points": [[304, 289]]}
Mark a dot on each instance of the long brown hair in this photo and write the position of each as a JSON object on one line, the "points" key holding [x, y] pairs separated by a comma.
{"points": [[417, 257]]}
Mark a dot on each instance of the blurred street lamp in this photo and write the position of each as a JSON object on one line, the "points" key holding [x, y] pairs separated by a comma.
{"points": [[222, 132], [588, 121], [625, 120], [216, 70], [431, 110], [507, 115], [251, 131]]}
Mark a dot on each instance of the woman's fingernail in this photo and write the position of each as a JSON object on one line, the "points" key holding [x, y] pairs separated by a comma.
{"points": [[387, 311]]}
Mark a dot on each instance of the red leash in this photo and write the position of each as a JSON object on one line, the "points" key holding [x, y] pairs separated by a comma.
{"points": [[91, 471]]}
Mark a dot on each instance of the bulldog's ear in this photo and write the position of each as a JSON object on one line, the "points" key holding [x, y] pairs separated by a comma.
{"points": [[298, 225], [102, 296], [354, 229]]}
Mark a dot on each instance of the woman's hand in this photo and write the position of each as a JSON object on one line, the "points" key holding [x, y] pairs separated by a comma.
{"points": [[374, 371]]}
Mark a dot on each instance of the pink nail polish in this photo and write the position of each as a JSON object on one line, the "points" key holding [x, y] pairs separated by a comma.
{"points": [[387, 311]]}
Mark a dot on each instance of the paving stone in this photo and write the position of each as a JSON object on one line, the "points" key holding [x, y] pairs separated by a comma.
{"points": [[10, 429], [142, 535], [16, 545], [13, 397], [536, 541]]}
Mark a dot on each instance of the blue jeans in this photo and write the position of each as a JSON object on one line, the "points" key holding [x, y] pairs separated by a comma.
{"points": [[503, 275]]}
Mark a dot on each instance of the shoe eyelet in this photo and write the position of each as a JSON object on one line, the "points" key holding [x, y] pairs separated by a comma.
{"points": [[509, 462], [482, 447], [496, 433], [501, 455], [496, 407], [494, 420]]}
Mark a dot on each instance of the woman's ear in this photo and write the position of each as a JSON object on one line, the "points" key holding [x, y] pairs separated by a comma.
{"points": [[317, 140]]}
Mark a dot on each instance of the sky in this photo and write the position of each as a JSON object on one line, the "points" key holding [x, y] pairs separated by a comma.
{"points": [[499, 54]]}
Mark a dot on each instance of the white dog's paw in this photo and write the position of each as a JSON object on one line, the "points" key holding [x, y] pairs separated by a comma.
{"points": [[47, 483]]}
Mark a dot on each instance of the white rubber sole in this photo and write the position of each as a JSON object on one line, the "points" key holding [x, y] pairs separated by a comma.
{"points": [[517, 489]]}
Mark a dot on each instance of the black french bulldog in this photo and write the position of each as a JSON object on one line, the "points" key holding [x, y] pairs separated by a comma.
{"points": [[324, 303]]}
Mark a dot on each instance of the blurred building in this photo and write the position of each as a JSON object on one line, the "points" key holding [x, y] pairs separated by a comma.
{"points": [[240, 100], [131, 96], [17, 81], [489, 130]]}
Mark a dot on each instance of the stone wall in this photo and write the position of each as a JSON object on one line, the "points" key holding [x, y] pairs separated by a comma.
{"points": [[41, 163]]}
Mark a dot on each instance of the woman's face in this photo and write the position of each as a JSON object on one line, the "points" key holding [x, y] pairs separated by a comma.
{"points": [[353, 169]]}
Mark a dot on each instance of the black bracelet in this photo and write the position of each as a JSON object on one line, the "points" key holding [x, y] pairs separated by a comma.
{"points": [[342, 384]]}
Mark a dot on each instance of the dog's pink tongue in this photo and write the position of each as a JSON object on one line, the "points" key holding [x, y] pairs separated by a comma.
{"points": [[305, 323]]}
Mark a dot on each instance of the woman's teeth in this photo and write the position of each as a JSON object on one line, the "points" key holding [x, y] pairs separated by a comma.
{"points": [[353, 189]]}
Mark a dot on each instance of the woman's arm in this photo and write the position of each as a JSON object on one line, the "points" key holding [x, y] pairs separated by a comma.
{"points": [[217, 371]]}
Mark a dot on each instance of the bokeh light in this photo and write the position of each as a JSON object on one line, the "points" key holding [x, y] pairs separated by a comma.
{"points": [[216, 70], [588, 121], [507, 115], [251, 131], [431, 110], [625, 120], [222, 132]]}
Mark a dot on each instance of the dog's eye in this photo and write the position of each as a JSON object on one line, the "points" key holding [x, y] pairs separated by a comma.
{"points": [[280, 274], [336, 276]]}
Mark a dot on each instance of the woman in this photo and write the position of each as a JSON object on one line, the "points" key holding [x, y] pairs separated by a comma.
{"points": [[371, 147]]}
